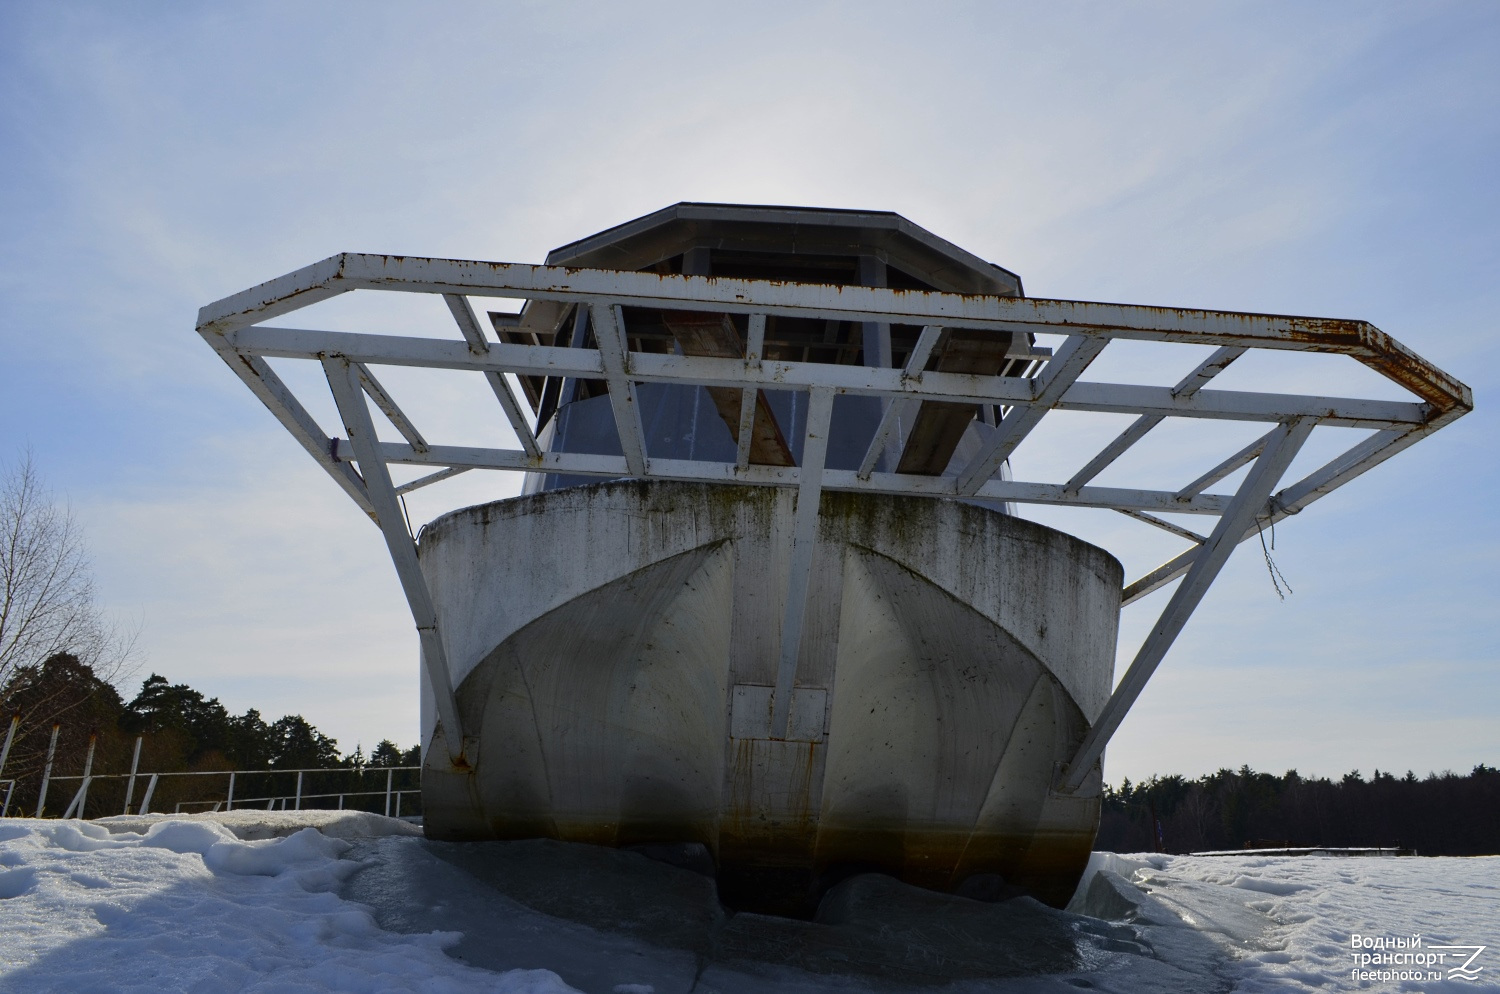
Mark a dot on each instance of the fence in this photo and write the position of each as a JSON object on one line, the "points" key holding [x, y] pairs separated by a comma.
{"points": [[396, 799], [9, 785], [383, 789]]}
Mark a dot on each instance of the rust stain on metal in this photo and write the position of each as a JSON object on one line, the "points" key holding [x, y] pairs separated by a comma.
{"points": [[1389, 358]]}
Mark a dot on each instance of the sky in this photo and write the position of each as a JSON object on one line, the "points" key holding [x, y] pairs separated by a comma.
{"points": [[1335, 159]]}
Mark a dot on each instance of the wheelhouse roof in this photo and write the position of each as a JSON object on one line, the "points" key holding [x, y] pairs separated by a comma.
{"points": [[792, 233]]}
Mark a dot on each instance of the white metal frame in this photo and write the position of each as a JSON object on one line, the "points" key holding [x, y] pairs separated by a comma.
{"points": [[235, 328]]}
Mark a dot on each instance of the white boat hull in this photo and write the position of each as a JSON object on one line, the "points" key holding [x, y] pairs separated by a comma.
{"points": [[615, 646]]}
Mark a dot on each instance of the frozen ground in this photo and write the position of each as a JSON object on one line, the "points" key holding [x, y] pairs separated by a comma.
{"points": [[325, 901]]}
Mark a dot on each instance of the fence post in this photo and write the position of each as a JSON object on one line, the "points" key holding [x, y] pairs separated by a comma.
{"points": [[88, 769], [299, 790], [41, 797], [130, 785], [146, 801], [76, 804], [388, 775], [229, 803], [15, 720]]}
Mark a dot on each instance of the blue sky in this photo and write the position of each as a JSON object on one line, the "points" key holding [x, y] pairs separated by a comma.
{"points": [[1335, 159]]}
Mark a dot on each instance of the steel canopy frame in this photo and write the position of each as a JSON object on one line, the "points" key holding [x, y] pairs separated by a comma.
{"points": [[233, 327]]}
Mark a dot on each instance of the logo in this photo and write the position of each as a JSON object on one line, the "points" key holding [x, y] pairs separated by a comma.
{"points": [[1401, 957], [1465, 970]]}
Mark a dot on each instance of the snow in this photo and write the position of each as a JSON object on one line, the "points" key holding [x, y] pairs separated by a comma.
{"points": [[251, 824], [344, 901], [187, 905]]}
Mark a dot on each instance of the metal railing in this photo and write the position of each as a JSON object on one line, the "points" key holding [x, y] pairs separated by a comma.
{"points": [[292, 799], [300, 791], [392, 797]]}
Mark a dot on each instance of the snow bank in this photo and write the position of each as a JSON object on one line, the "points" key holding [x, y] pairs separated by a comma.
{"points": [[251, 824], [187, 905], [1312, 906], [330, 901]]}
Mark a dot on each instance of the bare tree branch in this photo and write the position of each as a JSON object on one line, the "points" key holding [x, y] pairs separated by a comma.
{"points": [[47, 587]]}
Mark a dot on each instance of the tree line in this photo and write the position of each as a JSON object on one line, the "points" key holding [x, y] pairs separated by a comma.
{"points": [[1442, 814], [180, 730], [61, 658]]}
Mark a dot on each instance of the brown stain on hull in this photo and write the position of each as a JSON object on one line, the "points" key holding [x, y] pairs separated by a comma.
{"points": [[775, 870]]}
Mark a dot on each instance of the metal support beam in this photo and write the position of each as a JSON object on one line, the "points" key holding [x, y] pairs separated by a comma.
{"points": [[614, 354], [468, 326], [1241, 458], [557, 386], [1114, 450], [750, 396], [899, 410], [1058, 375], [1209, 368], [916, 363], [1164, 525], [256, 373], [710, 371], [351, 271], [875, 335], [427, 481], [389, 408], [612, 467], [804, 540], [1320, 482], [1208, 560], [344, 381], [1186, 387]]}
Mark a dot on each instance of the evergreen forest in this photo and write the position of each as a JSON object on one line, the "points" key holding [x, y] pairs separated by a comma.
{"points": [[1441, 814], [180, 731]]}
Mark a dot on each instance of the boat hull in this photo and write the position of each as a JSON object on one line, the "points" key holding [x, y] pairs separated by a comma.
{"points": [[615, 646]]}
